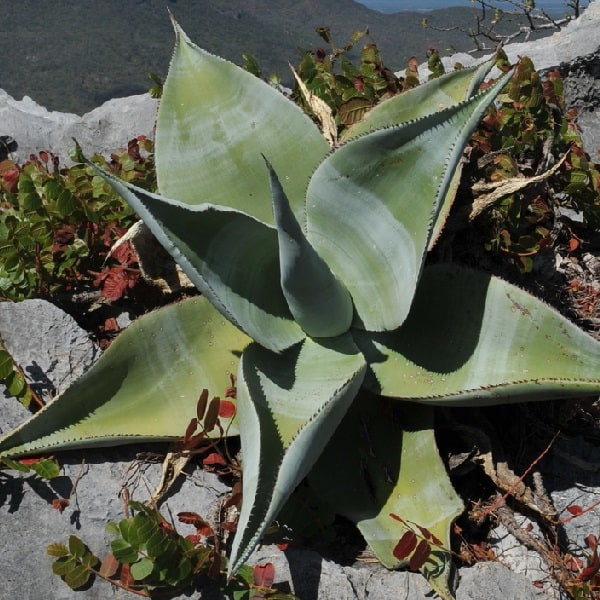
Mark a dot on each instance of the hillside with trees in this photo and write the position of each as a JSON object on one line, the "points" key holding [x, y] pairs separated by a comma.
{"points": [[72, 56]]}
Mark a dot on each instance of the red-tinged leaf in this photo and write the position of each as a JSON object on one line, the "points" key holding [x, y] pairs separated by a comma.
{"points": [[405, 546], [63, 238], [235, 499], [167, 527], [117, 281], [429, 536], [125, 576], [60, 504], [420, 555], [201, 405], [212, 414], [190, 518], [11, 180], [573, 563], [575, 510], [592, 542], [214, 459], [133, 149], [231, 391], [190, 429], [109, 566], [457, 529], [396, 517], [194, 538], [573, 244], [264, 575], [125, 254], [590, 571], [539, 584], [194, 441], [30, 461], [111, 325], [226, 409]]}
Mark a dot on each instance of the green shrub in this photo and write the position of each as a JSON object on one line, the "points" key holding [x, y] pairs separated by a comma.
{"points": [[57, 225]]}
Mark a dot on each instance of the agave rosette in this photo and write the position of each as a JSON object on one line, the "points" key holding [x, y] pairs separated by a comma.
{"points": [[311, 263]]}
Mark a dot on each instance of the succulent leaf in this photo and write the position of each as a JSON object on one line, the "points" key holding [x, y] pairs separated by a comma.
{"points": [[371, 206], [435, 95], [229, 256], [215, 120], [320, 304], [288, 406], [143, 388], [392, 448], [474, 339]]}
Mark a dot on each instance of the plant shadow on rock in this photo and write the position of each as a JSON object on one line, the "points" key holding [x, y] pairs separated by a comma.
{"points": [[13, 489]]}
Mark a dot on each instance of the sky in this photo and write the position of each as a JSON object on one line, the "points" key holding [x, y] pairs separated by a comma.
{"points": [[398, 5]]}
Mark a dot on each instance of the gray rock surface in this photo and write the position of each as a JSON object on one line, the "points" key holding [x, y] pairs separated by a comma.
{"points": [[574, 480], [28, 522], [492, 580], [102, 130], [582, 91], [49, 346]]}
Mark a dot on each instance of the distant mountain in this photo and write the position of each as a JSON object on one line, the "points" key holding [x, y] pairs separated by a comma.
{"points": [[392, 6], [554, 7], [71, 56]]}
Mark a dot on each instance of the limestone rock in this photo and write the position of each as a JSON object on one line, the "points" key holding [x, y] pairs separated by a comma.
{"points": [[582, 91], [49, 346], [489, 580], [102, 130]]}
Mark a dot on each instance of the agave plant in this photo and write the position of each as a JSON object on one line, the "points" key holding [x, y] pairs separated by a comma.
{"points": [[315, 291]]}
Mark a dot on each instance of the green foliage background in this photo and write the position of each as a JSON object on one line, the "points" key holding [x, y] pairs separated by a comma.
{"points": [[72, 55]]}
